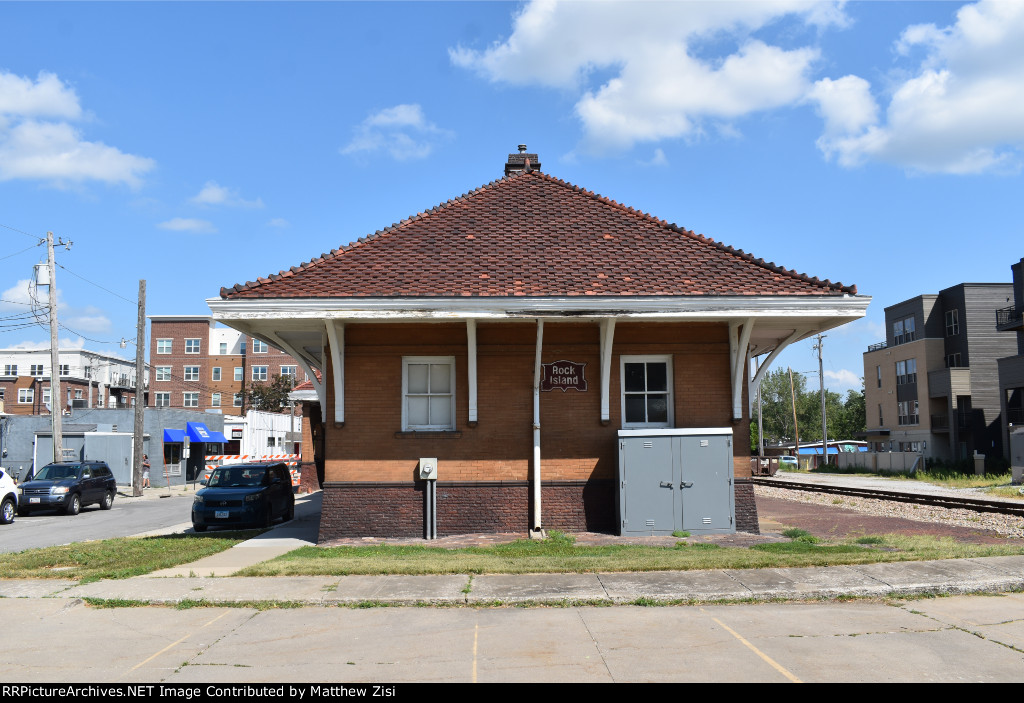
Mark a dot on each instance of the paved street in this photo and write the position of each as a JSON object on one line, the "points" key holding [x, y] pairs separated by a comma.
{"points": [[956, 639], [128, 516]]}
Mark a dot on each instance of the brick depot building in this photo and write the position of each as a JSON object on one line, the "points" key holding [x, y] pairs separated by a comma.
{"points": [[447, 335]]}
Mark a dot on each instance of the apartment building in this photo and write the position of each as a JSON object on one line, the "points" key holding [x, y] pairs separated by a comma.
{"points": [[933, 385], [1011, 368], [200, 365], [88, 380]]}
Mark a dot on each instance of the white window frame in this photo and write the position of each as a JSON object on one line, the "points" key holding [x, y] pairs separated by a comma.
{"points": [[259, 346], [191, 373], [215, 373], [10, 370], [262, 376], [163, 373], [437, 360], [192, 345], [236, 400], [164, 346], [215, 400], [239, 373], [223, 348], [26, 396], [292, 371], [37, 370], [647, 359], [186, 397]]}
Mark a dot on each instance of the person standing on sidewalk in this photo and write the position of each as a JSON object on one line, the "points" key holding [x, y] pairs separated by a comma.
{"points": [[145, 472]]}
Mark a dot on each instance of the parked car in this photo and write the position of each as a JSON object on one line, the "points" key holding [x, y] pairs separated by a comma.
{"points": [[8, 497], [788, 463], [67, 486], [244, 495]]}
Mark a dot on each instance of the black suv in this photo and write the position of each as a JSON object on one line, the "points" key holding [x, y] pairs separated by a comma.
{"points": [[67, 486], [244, 495]]}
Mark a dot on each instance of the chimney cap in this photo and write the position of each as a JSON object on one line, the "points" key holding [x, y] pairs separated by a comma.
{"points": [[522, 148]]}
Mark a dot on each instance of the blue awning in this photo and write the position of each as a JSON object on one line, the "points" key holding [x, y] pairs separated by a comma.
{"points": [[197, 432], [174, 435]]}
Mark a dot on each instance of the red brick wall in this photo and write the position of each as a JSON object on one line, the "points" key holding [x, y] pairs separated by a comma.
{"points": [[579, 454]]}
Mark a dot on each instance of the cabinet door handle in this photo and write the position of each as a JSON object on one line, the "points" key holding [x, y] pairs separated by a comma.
{"points": [[684, 484]]}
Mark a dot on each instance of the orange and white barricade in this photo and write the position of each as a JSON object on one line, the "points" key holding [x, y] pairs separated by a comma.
{"points": [[289, 460]]}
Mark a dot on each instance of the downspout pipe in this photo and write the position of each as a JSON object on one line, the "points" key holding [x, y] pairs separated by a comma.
{"points": [[536, 532]]}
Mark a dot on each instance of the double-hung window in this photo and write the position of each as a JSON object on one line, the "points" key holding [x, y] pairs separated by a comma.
{"points": [[26, 395], [162, 400], [191, 346], [191, 400], [163, 346], [163, 373], [259, 373], [191, 373], [646, 391], [428, 393], [216, 373]]}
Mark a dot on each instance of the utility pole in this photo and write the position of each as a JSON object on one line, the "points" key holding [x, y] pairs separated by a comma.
{"points": [[56, 406], [821, 379], [140, 404], [796, 428]]}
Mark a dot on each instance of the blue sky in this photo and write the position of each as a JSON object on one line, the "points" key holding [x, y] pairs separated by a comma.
{"points": [[198, 145]]}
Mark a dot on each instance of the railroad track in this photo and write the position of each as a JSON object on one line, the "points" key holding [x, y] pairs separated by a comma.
{"points": [[976, 504]]}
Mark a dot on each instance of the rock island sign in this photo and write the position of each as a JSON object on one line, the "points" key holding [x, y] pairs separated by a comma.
{"points": [[563, 375]]}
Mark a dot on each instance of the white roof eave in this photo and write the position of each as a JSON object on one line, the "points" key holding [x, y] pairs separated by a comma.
{"points": [[709, 308]]}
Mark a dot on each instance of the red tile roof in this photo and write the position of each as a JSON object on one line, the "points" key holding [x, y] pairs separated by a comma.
{"points": [[532, 235]]}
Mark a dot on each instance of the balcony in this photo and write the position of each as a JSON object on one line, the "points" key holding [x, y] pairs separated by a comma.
{"points": [[940, 423], [1009, 319], [876, 347]]}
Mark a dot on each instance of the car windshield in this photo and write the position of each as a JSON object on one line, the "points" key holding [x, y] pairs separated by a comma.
{"points": [[58, 472], [235, 477]]}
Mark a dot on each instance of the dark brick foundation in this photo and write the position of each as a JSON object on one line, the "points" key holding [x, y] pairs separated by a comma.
{"points": [[368, 509], [746, 507]]}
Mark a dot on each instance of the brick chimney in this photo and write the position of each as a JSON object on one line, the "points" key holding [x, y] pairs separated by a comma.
{"points": [[517, 163]]}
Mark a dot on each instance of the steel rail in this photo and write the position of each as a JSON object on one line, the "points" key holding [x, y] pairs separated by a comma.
{"points": [[976, 504]]}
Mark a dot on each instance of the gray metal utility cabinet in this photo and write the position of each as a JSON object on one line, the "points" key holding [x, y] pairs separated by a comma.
{"points": [[676, 479]]}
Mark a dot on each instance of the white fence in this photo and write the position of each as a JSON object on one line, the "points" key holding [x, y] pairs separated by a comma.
{"points": [[880, 462]]}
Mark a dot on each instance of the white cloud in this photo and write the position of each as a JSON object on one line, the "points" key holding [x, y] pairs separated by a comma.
{"points": [[214, 194], [667, 81], [46, 97], [843, 379], [19, 299], [33, 147], [657, 159], [962, 109], [62, 343], [279, 222], [186, 224], [402, 131]]}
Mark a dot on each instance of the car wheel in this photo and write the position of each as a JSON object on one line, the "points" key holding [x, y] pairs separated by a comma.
{"points": [[108, 501], [74, 505], [7, 511], [199, 528]]}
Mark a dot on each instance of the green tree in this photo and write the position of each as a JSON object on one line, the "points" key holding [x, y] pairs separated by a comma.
{"points": [[271, 396], [845, 418]]}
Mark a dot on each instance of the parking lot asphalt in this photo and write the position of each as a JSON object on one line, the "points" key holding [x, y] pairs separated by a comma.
{"points": [[203, 580]]}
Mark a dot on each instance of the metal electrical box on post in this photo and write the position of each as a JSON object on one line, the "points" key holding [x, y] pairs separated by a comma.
{"points": [[428, 473], [676, 479]]}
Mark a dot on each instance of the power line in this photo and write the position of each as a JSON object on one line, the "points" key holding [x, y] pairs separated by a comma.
{"points": [[127, 300], [42, 240], [18, 252]]}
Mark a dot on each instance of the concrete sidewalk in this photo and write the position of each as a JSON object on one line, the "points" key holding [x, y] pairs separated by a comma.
{"points": [[992, 574]]}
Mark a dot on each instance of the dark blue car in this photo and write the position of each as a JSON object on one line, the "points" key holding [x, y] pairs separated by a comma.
{"points": [[67, 486], [244, 495]]}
